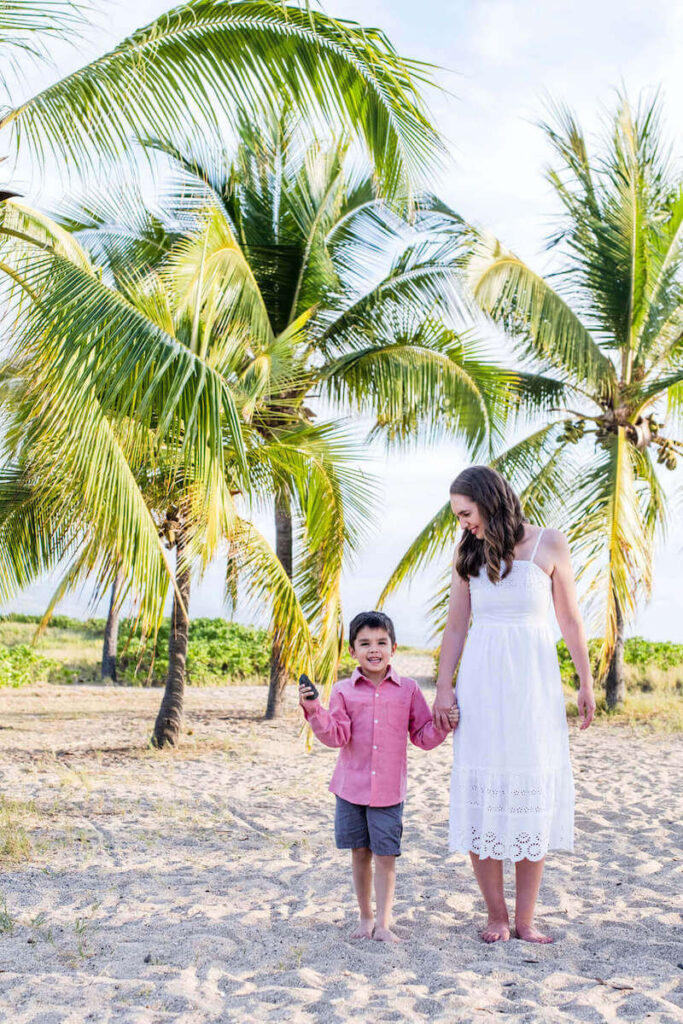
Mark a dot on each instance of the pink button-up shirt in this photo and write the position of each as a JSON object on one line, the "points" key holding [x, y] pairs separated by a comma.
{"points": [[371, 725]]}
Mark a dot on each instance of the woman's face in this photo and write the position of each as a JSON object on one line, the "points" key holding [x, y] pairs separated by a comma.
{"points": [[468, 514]]}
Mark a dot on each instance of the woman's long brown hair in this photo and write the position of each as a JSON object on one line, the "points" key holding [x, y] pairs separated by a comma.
{"points": [[503, 522]]}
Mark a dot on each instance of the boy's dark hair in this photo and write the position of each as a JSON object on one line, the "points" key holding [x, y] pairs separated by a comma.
{"points": [[373, 620]]}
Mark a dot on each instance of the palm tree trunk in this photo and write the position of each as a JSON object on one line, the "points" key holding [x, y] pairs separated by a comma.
{"points": [[169, 719], [615, 683], [283, 549], [111, 631]]}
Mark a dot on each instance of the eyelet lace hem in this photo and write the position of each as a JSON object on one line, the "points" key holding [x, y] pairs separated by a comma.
{"points": [[521, 846], [511, 815]]}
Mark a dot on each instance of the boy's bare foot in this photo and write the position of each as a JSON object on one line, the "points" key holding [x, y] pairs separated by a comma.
{"points": [[496, 931], [384, 935], [364, 929], [528, 933]]}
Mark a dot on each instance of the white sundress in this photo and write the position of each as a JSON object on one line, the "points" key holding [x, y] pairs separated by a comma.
{"points": [[512, 791]]}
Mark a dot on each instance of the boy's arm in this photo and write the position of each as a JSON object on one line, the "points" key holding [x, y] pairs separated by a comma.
{"points": [[423, 732], [333, 727]]}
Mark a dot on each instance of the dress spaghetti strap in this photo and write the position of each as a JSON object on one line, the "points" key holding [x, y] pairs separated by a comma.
{"points": [[538, 541]]}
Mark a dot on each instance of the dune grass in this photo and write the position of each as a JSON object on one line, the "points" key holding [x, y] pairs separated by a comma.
{"points": [[654, 700], [15, 845]]}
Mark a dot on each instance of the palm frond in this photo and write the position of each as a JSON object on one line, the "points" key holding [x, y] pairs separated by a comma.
{"points": [[90, 337], [542, 470], [215, 61], [422, 277], [28, 26], [33, 539], [437, 537], [421, 381], [664, 296], [611, 539], [22, 225], [256, 569], [533, 312], [118, 229], [212, 277]]}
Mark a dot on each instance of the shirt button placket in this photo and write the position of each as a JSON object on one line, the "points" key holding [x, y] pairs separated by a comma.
{"points": [[374, 745]]}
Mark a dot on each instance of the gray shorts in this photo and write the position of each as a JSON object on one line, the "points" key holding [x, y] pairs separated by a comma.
{"points": [[378, 828]]}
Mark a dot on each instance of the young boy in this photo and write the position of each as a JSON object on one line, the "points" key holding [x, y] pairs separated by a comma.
{"points": [[371, 714]]}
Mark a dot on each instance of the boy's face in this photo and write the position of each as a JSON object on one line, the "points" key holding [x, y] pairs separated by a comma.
{"points": [[373, 649]]}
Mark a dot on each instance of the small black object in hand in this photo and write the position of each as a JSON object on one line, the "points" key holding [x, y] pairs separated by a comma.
{"points": [[305, 681]]}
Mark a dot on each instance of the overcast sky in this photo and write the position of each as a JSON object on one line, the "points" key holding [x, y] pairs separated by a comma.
{"points": [[505, 58]]}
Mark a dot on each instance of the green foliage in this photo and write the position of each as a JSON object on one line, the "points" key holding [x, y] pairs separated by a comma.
{"points": [[567, 672], [649, 664], [346, 665], [644, 653], [206, 62], [94, 627], [22, 665], [654, 685], [7, 922], [218, 651]]}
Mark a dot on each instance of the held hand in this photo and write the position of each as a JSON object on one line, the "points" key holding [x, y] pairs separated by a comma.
{"points": [[586, 704], [443, 702], [453, 716]]}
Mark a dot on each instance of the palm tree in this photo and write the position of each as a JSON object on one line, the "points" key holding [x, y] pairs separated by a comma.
{"points": [[301, 242], [204, 63], [185, 483], [607, 330], [110, 641], [77, 442]]}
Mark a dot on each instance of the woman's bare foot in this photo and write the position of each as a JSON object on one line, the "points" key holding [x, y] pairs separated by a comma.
{"points": [[496, 931], [528, 933], [363, 929], [384, 935]]}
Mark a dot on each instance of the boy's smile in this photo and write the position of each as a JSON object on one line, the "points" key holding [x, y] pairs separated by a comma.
{"points": [[373, 650]]}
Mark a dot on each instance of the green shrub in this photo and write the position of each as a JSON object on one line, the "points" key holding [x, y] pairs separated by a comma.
{"points": [[569, 676], [22, 665], [646, 653], [217, 651], [346, 665], [95, 627], [648, 665]]}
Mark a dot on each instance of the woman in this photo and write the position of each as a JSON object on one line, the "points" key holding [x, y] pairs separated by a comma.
{"points": [[512, 792]]}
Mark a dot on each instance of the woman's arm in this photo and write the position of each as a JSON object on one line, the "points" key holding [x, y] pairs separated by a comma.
{"points": [[570, 622], [453, 641]]}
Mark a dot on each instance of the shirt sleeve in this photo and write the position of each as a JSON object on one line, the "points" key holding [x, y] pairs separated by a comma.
{"points": [[423, 732], [333, 727]]}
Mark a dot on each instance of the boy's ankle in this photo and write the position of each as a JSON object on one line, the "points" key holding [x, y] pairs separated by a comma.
{"points": [[499, 915]]}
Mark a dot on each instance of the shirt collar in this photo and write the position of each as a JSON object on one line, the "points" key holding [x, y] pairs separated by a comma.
{"points": [[391, 675]]}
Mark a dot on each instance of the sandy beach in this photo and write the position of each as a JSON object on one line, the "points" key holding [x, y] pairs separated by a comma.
{"points": [[203, 885]]}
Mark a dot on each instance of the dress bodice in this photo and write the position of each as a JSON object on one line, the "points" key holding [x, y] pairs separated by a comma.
{"points": [[524, 596]]}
